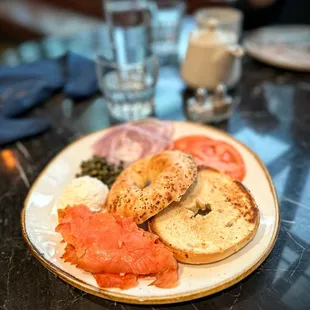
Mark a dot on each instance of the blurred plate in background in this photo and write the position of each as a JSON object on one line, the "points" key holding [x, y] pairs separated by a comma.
{"points": [[286, 47]]}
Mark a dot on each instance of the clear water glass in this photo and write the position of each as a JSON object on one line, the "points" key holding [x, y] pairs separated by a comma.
{"points": [[129, 24], [166, 26], [229, 19], [128, 89]]}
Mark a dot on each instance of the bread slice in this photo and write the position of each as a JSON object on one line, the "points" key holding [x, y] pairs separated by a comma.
{"points": [[214, 219]]}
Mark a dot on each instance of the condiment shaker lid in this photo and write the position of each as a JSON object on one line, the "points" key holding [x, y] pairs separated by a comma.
{"points": [[220, 95], [221, 101]]}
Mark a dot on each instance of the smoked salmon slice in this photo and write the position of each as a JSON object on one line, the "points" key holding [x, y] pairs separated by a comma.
{"points": [[124, 282], [114, 249]]}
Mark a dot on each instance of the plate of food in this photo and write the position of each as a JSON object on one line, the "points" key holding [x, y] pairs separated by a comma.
{"points": [[152, 212], [286, 46]]}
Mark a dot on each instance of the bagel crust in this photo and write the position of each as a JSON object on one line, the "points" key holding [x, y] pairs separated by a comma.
{"points": [[215, 218], [170, 174]]}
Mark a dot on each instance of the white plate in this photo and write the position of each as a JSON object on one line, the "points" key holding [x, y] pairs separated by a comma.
{"points": [[286, 47], [38, 222]]}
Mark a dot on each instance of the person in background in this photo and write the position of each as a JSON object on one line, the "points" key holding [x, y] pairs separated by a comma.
{"points": [[258, 13]]}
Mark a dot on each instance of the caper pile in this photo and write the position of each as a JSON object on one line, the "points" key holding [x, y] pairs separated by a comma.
{"points": [[98, 167]]}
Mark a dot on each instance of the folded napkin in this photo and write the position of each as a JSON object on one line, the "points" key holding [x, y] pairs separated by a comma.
{"points": [[81, 79], [15, 129], [25, 87]]}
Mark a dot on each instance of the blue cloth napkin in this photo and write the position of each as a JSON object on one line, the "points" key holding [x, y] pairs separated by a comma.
{"points": [[81, 79], [12, 130], [25, 87]]}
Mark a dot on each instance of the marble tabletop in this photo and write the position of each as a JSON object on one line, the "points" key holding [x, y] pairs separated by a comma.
{"points": [[271, 116]]}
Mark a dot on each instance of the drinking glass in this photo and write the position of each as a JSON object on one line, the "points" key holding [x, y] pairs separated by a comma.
{"points": [[129, 29], [166, 26], [128, 89]]}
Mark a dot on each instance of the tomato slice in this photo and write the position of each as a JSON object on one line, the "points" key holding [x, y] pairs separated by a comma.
{"points": [[213, 153], [190, 142]]}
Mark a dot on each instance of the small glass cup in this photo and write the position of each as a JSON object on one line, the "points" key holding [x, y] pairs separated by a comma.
{"points": [[229, 19], [166, 27], [128, 89]]}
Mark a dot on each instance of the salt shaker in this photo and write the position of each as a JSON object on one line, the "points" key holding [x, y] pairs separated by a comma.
{"points": [[210, 109], [222, 103]]}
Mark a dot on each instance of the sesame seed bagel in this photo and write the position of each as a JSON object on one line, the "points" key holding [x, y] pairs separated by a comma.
{"points": [[170, 174], [215, 218]]}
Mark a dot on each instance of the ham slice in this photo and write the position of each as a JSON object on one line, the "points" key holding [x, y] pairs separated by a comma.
{"points": [[114, 249], [132, 141]]}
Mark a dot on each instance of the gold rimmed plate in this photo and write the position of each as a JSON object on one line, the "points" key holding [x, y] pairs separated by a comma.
{"points": [[39, 220]]}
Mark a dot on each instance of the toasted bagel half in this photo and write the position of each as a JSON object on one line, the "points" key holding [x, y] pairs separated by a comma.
{"points": [[214, 219], [170, 174]]}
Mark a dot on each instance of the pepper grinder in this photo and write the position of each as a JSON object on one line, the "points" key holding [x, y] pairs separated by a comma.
{"points": [[204, 108]]}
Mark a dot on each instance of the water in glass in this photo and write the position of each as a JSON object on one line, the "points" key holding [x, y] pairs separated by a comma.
{"points": [[129, 27], [129, 98], [128, 89]]}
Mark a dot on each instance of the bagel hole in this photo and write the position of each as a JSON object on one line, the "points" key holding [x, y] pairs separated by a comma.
{"points": [[148, 183], [203, 209]]}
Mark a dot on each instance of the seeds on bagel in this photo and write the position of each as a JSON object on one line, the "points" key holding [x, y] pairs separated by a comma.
{"points": [[166, 173]]}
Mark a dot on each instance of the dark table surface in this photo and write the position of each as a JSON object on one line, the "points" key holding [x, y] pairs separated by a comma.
{"points": [[272, 117]]}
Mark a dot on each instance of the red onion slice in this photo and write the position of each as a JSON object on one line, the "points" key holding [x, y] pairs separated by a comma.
{"points": [[161, 128], [132, 141]]}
